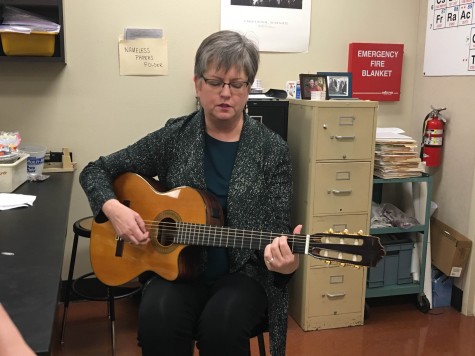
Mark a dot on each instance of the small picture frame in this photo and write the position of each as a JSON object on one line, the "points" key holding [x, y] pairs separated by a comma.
{"points": [[339, 84], [310, 83]]}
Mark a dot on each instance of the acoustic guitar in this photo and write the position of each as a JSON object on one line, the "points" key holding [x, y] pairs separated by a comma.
{"points": [[182, 219]]}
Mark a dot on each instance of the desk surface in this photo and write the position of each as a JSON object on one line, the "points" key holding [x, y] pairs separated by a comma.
{"points": [[30, 279]]}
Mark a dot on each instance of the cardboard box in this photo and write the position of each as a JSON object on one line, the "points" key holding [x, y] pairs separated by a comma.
{"points": [[13, 175], [450, 249]]}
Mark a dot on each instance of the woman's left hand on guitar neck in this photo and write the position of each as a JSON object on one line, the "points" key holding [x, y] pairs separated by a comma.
{"points": [[278, 256]]}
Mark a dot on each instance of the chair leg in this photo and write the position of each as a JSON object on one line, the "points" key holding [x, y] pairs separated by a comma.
{"points": [[262, 345], [110, 294], [67, 294]]}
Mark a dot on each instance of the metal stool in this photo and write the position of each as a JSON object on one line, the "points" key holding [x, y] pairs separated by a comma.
{"points": [[259, 333], [82, 227], [262, 346]]}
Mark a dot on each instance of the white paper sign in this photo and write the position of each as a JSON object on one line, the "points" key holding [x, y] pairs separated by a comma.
{"points": [[143, 56]]}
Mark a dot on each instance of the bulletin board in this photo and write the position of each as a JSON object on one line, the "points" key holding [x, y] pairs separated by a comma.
{"points": [[450, 38]]}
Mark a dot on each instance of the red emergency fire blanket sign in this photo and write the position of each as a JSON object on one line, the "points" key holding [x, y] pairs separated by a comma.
{"points": [[376, 70]]}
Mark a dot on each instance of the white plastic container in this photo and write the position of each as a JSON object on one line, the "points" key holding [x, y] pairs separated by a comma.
{"points": [[12, 175], [36, 159]]}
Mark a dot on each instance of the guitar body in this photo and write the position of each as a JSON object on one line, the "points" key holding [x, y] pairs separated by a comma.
{"points": [[115, 262]]}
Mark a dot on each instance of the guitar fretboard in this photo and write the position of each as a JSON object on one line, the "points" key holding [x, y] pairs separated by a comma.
{"points": [[208, 235]]}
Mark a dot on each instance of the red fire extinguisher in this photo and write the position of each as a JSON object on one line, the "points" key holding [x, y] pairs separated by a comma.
{"points": [[433, 138]]}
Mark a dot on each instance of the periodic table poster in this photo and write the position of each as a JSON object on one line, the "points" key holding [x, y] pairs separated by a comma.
{"points": [[450, 38]]}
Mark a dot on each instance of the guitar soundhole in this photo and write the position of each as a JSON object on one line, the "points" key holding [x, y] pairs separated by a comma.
{"points": [[167, 232]]}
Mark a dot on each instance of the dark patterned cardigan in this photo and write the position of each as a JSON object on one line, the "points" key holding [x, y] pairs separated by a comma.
{"points": [[259, 192]]}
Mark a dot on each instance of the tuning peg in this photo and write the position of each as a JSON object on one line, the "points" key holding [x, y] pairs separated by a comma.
{"points": [[345, 232]]}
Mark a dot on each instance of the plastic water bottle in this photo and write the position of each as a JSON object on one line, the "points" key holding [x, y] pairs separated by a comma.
{"points": [[297, 91]]}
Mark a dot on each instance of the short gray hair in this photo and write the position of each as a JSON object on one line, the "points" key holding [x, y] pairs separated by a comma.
{"points": [[227, 49]]}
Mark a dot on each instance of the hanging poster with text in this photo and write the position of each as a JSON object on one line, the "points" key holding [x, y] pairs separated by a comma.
{"points": [[376, 69], [450, 38], [276, 26]]}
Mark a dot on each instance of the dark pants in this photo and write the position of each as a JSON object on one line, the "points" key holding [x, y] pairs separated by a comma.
{"points": [[220, 317]]}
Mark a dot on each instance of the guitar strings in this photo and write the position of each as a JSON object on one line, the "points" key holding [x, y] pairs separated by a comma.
{"points": [[192, 231], [297, 242], [203, 229]]}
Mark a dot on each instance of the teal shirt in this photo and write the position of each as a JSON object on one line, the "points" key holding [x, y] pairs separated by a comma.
{"points": [[219, 160]]}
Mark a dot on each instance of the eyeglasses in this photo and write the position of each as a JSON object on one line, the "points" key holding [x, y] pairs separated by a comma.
{"points": [[218, 84]]}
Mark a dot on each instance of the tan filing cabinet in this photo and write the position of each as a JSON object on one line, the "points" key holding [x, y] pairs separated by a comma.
{"points": [[332, 146]]}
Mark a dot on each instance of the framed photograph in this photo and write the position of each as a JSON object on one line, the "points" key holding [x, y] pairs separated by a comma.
{"points": [[312, 83], [339, 84]]}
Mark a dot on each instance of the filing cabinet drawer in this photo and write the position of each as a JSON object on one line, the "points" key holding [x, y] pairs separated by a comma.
{"points": [[342, 187], [344, 133], [335, 291], [338, 223], [352, 222]]}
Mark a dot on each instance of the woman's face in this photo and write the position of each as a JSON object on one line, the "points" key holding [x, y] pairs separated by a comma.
{"points": [[223, 103]]}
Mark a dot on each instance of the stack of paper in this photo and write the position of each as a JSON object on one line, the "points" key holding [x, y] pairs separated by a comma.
{"points": [[11, 200], [135, 33], [22, 21], [396, 155]]}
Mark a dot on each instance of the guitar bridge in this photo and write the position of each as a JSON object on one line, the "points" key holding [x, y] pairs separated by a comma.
{"points": [[119, 247]]}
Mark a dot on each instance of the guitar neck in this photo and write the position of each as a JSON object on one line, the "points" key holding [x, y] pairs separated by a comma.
{"points": [[355, 249], [219, 236]]}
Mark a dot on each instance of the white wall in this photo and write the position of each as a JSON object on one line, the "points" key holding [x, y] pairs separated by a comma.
{"points": [[453, 180], [89, 108]]}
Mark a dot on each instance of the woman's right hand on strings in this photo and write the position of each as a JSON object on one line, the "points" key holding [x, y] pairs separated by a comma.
{"points": [[127, 223]]}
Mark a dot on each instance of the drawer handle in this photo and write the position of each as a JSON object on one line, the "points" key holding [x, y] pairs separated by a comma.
{"points": [[335, 295], [341, 192], [345, 138]]}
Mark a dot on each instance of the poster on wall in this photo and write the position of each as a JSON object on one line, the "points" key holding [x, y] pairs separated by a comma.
{"points": [[277, 26], [376, 70], [450, 38]]}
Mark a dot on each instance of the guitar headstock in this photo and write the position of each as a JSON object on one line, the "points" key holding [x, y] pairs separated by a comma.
{"points": [[345, 248]]}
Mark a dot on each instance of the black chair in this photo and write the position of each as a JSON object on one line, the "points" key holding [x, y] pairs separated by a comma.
{"points": [[91, 288], [262, 345], [259, 333]]}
